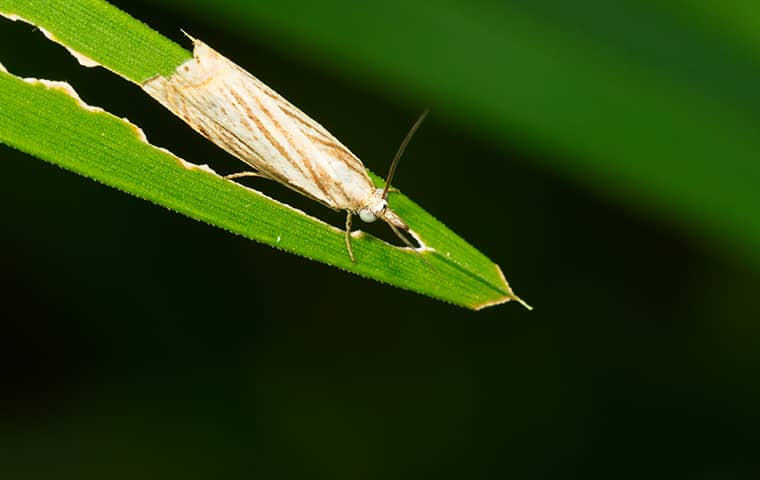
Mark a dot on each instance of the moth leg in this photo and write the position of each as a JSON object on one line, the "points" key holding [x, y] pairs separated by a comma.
{"points": [[348, 237], [243, 174]]}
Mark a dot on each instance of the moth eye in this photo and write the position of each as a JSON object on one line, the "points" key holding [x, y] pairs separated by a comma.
{"points": [[366, 215]]}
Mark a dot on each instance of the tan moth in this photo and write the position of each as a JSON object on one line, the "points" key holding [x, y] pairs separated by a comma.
{"points": [[242, 115]]}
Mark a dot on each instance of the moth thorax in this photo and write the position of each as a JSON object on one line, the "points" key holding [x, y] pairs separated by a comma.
{"points": [[375, 208]]}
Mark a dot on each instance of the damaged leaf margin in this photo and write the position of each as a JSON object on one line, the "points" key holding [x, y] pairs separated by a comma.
{"points": [[116, 152]]}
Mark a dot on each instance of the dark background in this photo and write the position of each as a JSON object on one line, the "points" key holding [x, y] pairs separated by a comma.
{"points": [[139, 343]]}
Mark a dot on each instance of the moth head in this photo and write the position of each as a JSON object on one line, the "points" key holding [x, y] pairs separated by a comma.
{"points": [[376, 207]]}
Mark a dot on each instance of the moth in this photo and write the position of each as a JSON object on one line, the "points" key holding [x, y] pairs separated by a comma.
{"points": [[239, 113]]}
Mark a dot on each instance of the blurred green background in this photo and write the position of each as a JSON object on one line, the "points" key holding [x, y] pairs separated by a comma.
{"points": [[603, 153]]}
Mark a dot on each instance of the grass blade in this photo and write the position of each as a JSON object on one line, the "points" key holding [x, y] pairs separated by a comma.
{"points": [[48, 121]]}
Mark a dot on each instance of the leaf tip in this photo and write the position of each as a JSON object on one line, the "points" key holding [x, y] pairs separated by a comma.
{"points": [[510, 296]]}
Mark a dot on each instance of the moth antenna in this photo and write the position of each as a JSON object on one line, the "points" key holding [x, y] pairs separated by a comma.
{"points": [[400, 151], [409, 244]]}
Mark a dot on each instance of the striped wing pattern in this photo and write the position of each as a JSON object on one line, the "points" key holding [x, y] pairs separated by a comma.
{"points": [[242, 115]]}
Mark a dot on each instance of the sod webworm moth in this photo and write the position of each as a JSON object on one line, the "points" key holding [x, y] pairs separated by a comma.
{"points": [[242, 115]]}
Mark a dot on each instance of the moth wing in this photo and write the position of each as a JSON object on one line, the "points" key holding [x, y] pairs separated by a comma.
{"points": [[242, 115], [318, 135]]}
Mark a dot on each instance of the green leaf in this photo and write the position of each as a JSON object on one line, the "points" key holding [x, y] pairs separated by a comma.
{"points": [[50, 122]]}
